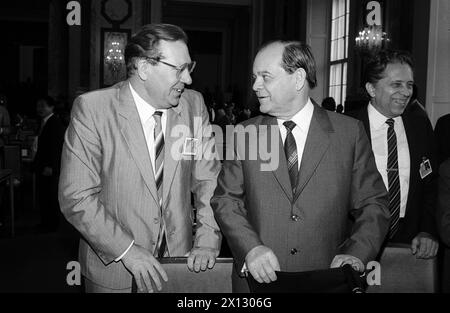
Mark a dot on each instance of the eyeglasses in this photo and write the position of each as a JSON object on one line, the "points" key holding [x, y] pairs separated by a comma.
{"points": [[180, 69]]}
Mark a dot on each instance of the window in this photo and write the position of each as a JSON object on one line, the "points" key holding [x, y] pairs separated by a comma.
{"points": [[339, 51]]}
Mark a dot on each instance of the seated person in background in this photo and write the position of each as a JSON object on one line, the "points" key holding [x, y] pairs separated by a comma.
{"points": [[211, 111], [47, 163], [222, 119], [329, 104], [403, 145], [244, 115], [4, 131], [230, 114], [5, 123]]}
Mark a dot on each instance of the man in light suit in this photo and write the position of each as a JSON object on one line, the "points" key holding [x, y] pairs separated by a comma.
{"points": [[133, 153], [294, 214], [411, 177]]}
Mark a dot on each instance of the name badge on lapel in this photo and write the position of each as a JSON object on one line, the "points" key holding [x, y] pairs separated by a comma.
{"points": [[425, 168], [190, 146]]}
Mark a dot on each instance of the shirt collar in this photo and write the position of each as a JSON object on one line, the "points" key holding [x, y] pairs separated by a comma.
{"points": [[45, 119], [302, 118], [145, 110], [378, 120]]}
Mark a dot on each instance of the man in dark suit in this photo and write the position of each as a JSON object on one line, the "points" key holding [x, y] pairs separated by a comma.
{"points": [[292, 214], [47, 163], [403, 145]]}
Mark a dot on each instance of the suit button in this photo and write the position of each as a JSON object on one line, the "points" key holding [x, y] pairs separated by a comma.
{"points": [[295, 218], [294, 251], [156, 220]]}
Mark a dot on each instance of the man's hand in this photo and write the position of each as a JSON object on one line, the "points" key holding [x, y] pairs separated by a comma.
{"points": [[144, 267], [262, 264], [201, 258], [342, 259], [424, 246], [47, 171]]}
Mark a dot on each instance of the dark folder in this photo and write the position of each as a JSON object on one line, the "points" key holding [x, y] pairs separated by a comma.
{"points": [[336, 280]]}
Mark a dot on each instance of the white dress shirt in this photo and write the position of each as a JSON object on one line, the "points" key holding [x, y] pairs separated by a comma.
{"points": [[302, 119], [146, 111], [378, 132]]}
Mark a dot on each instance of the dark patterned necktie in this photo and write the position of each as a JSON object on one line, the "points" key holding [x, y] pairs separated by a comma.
{"points": [[159, 173], [393, 178], [290, 149]]}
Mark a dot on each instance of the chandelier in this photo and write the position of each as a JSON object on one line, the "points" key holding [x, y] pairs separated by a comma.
{"points": [[114, 58], [371, 39]]}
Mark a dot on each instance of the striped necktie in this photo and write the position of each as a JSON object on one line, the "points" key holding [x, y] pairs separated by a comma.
{"points": [[393, 178], [159, 173], [290, 149]]}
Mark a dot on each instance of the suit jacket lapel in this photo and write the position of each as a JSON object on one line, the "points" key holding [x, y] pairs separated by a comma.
{"points": [[131, 129], [175, 116], [317, 143], [281, 171]]}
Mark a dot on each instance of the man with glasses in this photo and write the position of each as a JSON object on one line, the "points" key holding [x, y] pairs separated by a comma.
{"points": [[133, 153]]}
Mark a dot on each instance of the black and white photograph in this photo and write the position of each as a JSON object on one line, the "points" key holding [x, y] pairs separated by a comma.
{"points": [[225, 153]]}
